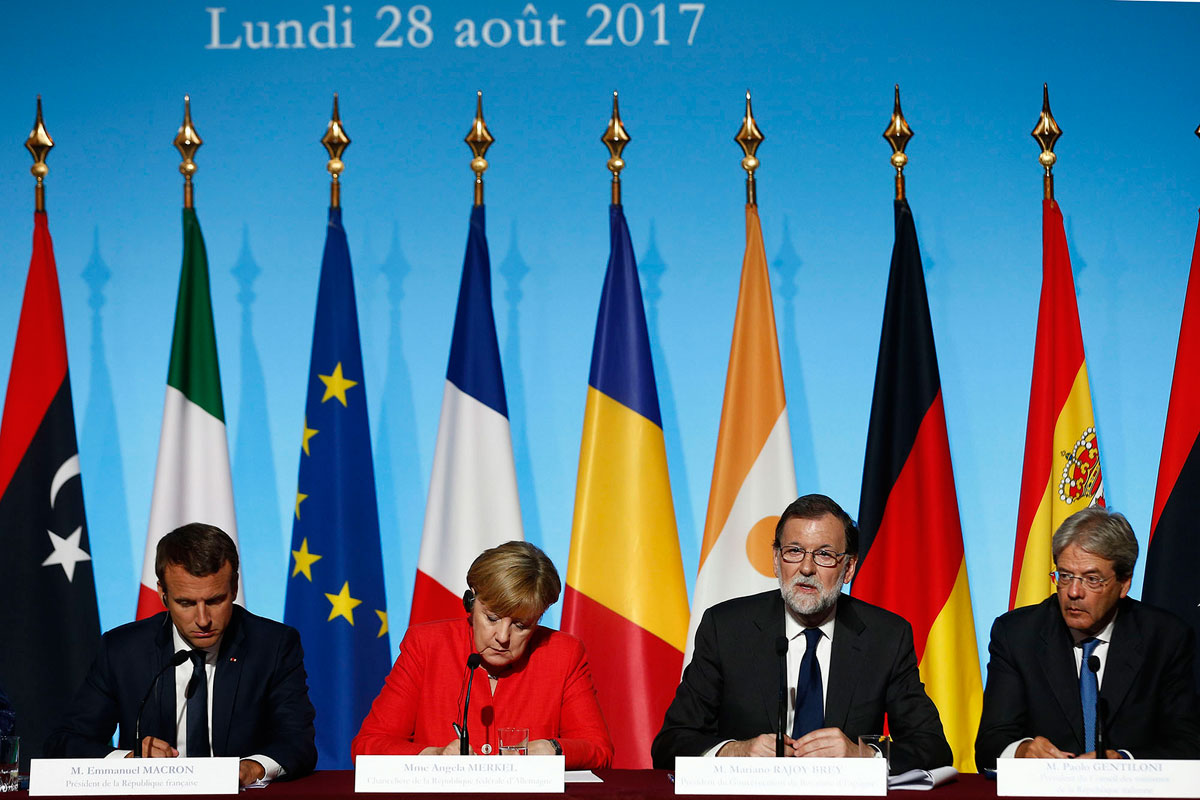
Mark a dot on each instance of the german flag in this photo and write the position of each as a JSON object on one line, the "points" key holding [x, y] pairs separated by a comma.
{"points": [[908, 476], [1062, 451], [1174, 549]]}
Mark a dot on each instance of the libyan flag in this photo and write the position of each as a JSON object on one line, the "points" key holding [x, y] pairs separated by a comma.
{"points": [[48, 614]]}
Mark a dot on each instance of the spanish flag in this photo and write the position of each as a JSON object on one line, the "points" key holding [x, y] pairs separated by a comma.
{"points": [[908, 476], [1062, 453], [754, 475], [626, 597]]}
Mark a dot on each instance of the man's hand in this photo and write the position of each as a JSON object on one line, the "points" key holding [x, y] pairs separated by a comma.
{"points": [[763, 746], [155, 748], [1041, 747], [1112, 754], [250, 771], [826, 743]]}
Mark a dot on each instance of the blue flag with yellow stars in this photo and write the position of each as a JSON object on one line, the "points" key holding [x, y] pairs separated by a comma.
{"points": [[335, 594]]}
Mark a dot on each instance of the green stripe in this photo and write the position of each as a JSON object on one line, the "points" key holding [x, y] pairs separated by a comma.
{"points": [[193, 369]]}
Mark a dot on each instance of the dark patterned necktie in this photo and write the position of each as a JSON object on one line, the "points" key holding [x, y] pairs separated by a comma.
{"points": [[810, 706], [197, 709], [1088, 689]]}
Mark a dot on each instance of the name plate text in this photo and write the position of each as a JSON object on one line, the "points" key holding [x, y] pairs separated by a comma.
{"points": [[448, 774], [859, 777], [1052, 777], [132, 776]]}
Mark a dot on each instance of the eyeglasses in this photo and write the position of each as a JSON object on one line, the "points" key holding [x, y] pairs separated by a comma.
{"points": [[822, 558], [1092, 582]]}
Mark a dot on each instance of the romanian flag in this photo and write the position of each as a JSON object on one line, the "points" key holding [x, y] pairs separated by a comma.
{"points": [[1174, 550], [908, 476], [192, 481], [335, 591], [472, 501], [754, 475], [48, 611], [626, 597], [1062, 453]]}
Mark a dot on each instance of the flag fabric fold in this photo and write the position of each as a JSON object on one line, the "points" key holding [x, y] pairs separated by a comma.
{"points": [[1173, 552], [335, 588], [473, 502], [49, 616], [626, 597], [754, 474], [1061, 472], [908, 476], [192, 481]]}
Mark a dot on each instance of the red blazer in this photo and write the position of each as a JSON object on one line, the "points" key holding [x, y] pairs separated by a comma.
{"points": [[550, 692]]}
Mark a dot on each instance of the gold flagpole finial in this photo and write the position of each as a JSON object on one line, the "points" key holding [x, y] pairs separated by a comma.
{"points": [[1046, 132], [897, 134], [479, 139], [336, 141], [615, 138], [39, 145], [187, 142], [749, 137]]}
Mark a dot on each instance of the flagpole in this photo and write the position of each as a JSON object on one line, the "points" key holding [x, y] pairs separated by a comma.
{"points": [[187, 142], [749, 137], [479, 139], [39, 145], [897, 134], [615, 138], [336, 141], [1046, 132]]}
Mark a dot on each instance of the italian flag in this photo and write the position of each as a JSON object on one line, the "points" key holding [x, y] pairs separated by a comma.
{"points": [[192, 482]]}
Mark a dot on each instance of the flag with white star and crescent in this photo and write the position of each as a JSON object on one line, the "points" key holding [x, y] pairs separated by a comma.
{"points": [[48, 612], [335, 590]]}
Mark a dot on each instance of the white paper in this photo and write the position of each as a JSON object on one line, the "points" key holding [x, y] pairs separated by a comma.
{"points": [[582, 776], [457, 774], [923, 779], [132, 776], [861, 777], [1087, 777]]}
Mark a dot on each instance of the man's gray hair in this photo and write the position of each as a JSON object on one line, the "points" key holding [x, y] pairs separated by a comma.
{"points": [[1102, 533]]}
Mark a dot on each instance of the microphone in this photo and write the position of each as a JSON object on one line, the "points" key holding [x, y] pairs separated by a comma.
{"points": [[464, 744], [781, 648], [177, 659], [1093, 664]]}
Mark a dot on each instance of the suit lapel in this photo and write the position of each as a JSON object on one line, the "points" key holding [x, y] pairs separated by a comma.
{"points": [[769, 626], [225, 682], [846, 660], [1060, 672], [1126, 654]]}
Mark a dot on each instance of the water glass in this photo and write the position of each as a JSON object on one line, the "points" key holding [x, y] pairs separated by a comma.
{"points": [[514, 741], [875, 746]]}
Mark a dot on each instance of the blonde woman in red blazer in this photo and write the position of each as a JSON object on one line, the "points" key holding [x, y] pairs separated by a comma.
{"points": [[529, 676]]}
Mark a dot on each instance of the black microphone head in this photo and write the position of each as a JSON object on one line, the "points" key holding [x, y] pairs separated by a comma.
{"points": [[781, 646], [180, 657], [1094, 664], [474, 660]]}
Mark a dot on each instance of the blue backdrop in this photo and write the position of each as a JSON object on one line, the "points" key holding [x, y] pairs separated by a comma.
{"points": [[113, 78]]}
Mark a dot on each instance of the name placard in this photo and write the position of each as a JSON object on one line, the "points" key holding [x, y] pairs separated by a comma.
{"points": [[447, 774], [860, 777], [125, 776], [1053, 777]]}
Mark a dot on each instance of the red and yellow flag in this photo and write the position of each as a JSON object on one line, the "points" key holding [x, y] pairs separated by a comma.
{"points": [[1062, 452]]}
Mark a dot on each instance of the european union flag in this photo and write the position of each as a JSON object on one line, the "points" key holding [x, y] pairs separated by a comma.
{"points": [[335, 593]]}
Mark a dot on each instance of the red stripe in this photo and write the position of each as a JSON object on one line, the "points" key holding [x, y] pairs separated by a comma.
{"points": [[432, 601], [39, 363], [635, 674], [1183, 413], [149, 602], [918, 551], [1057, 357]]}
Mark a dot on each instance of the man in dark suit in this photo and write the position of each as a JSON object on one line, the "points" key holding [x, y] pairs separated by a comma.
{"points": [[1034, 704], [849, 662], [247, 671]]}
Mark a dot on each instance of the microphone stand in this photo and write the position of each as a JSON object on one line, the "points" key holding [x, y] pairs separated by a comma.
{"points": [[464, 743], [1101, 709], [781, 648], [177, 659]]}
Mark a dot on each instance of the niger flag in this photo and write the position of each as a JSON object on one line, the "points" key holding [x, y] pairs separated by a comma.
{"points": [[1062, 453], [1174, 549], [908, 477], [626, 597], [754, 476]]}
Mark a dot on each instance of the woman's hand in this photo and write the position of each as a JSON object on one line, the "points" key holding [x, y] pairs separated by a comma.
{"points": [[541, 747], [452, 749]]}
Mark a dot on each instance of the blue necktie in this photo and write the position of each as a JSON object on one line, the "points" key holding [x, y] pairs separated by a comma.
{"points": [[197, 708], [810, 706], [1088, 689]]}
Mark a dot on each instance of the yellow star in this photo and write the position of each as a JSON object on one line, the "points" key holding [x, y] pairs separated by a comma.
{"points": [[343, 604], [300, 498], [336, 385], [382, 623], [304, 560], [308, 434]]}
